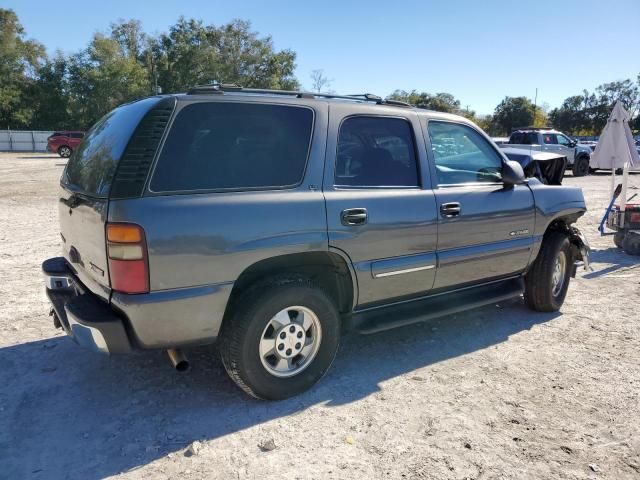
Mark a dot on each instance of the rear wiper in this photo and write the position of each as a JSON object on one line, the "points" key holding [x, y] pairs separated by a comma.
{"points": [[73, 201]]}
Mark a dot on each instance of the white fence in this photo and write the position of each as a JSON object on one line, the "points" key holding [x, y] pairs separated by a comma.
{"points": [[23, 141]]}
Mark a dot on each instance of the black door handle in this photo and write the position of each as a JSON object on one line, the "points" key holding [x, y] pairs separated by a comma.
{"points": [[354, 216], [451, 209]]}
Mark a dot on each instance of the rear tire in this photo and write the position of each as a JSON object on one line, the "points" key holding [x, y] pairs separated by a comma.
{"points": [[65, 151], [631, 243], [618, 239], [580, 167], [547, 281], [263, 354]]}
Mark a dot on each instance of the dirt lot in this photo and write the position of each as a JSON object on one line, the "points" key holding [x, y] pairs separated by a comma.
{"points": [[500, 392]]}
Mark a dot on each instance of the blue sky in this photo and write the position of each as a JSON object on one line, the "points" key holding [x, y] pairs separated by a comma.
{"points": [[479, 51]]}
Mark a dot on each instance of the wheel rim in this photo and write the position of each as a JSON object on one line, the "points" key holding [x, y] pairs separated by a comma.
{"points": [[65, 151], [559, 269], [290, 341]]}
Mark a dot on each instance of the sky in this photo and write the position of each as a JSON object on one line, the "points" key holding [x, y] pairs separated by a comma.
{"points": [[480, 51]]}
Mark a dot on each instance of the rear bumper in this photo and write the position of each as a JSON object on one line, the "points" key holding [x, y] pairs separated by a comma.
{"points": [[161, 319], [86, 318]]}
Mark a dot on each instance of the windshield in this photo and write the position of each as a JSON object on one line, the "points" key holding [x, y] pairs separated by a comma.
{"points": [[91, 168]]}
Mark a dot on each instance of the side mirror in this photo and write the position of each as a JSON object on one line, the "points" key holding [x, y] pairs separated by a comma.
{"points": [[573, 143], [512, 173]]}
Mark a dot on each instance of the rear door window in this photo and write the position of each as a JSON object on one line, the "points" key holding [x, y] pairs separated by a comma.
{"points": [[235, 146], [376, 152]]}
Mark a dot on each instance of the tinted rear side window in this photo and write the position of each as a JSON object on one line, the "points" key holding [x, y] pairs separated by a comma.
{"points": [[91, 168], [376, 152], [221, 145]]}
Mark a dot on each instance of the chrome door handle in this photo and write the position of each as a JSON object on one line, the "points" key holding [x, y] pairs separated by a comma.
{"points": [[354, 216], [451, 209]]}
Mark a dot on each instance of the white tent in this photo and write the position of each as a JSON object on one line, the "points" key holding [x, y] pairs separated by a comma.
{"points": [[616, 149]]}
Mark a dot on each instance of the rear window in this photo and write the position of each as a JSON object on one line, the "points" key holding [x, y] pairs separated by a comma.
{"points": [[524, 138], [92, 165], [234, 146]]}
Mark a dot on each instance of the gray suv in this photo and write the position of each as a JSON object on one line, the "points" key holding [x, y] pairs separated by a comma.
{"points": [[272, 221]]}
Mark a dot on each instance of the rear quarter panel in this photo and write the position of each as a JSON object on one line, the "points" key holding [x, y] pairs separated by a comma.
{"points": [[210, 238], [205, 239]]}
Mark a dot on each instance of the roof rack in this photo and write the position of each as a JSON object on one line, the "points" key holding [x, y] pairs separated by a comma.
{"points": [[220, 88]]}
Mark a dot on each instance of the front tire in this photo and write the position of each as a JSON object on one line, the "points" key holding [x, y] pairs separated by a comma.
{"points": [[280, 338], [580, 167], [64, 151], [547, 281]]}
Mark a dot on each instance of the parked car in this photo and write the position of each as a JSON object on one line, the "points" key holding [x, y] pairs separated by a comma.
{"points": [[549, 140], [272, 221], [64, 142]]}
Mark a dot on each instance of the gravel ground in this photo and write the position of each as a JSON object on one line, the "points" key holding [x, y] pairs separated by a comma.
{"points": [[499, 392]]}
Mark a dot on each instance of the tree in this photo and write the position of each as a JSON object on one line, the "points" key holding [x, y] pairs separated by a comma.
{"points": [[440, 102], [193, 53], [19, 62], [319, 82], [50, 96], [513, 112], [103, 76], [587, 114]]}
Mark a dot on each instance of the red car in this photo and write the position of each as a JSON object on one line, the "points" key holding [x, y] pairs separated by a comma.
{"points": [[65, 142]]}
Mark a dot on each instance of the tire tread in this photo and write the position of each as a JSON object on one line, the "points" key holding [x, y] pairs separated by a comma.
{"points": [[537, 294], [236, 326]]}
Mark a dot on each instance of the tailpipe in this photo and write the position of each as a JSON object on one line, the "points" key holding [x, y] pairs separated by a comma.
{"points": [[178, 360]]}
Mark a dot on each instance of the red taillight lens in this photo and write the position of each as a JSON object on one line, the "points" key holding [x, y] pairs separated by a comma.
{"points": [[635, 217], [127, 253]]}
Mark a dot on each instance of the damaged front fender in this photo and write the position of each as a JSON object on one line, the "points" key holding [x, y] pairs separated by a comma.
{"points": [[580, 247]]}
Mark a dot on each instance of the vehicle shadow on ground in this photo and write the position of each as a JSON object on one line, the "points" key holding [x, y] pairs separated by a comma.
{"points": [[615, 258], [600, 173], [70, 413]]}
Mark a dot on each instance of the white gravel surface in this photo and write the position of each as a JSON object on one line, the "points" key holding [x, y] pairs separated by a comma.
{"points": [[500, 392]]}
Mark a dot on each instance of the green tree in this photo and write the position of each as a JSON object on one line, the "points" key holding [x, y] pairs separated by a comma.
{"points": [[572, 116], [103, 76], [193, 53], [440, 102], [513, 112], [19, 61], [50, 96]]}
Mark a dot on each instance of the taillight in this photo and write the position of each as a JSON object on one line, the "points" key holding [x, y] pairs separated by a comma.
{"points": [[127, 253], [635, 217]]}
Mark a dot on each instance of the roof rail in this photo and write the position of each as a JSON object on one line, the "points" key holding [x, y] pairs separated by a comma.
{"points": [[220, 88]]}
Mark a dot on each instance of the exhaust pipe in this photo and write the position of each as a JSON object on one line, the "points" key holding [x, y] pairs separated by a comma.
{"points": [[178, 360]]}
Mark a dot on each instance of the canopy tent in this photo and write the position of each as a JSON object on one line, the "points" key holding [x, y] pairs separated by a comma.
{"points": [[616, 146], [616, 149]]}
